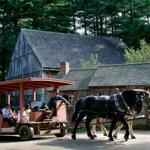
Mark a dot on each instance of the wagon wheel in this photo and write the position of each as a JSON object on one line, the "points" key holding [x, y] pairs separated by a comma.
{"points": [[26, 132], [63, 131]]}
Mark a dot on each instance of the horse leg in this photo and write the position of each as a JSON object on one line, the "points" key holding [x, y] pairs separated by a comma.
{"points": [[87, 124], [74, 131], [98, 122], [113, 123], [119, 126], [79, 119], [93, 129], [123, 120], [130, 123], [104, 130]]}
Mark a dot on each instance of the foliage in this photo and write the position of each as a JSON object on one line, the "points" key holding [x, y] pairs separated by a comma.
{"points": [[141, 54], [91, 63], [127, 19], [50, 15], [142, 126]]}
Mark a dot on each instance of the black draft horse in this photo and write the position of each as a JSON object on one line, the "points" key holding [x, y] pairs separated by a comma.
{"points": [[114, 107]]}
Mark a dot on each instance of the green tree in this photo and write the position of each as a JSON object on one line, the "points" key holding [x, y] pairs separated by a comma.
{"points": [[141, 54], [91, 63], [126, 19], [50, 15]]}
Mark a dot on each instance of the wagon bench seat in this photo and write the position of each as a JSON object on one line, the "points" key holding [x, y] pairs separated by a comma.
{"points": [[36, 116]]}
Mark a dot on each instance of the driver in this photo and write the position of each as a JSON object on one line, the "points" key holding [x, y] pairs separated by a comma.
{"points": [[52, 103]]}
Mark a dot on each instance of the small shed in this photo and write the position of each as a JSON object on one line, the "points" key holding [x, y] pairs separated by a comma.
{"points": [[106, 78]]}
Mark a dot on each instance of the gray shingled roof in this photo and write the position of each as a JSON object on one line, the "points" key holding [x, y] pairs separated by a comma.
{"points": [[120, 75], [51, 48], [81, 77], [109, 75]]}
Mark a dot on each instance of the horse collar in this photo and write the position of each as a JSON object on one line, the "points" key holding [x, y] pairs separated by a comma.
{"points": [[120, 103]]}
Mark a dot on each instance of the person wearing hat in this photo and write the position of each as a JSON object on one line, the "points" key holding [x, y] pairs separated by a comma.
{"points": [[56, 96]]}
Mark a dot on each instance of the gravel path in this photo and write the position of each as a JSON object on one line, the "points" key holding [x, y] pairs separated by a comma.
{"points": [[142, 142]]}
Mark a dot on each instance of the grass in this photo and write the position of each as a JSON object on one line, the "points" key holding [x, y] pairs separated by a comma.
{"points": [[142, 127]]}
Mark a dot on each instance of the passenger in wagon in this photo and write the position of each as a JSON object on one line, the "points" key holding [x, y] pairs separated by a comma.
{"points": [[15, 115], [26, 113], [52, 103], [8, 115]]}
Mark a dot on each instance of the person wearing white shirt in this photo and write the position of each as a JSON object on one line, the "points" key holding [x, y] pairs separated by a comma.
{"points": [[7, 115]]}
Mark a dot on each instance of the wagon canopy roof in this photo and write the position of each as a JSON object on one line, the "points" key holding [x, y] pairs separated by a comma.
{"points": [[32, 83]]}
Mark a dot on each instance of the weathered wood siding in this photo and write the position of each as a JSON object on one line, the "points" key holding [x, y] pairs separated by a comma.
{"points": [[24, 62], [73, 96]]}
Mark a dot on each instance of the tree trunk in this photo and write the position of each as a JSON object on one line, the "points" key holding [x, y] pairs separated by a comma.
{"points": [[101, 26], [85, 26], [97, 26]]}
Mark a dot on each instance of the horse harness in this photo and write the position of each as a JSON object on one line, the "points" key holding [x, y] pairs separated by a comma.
{"points": [[114, 104]]}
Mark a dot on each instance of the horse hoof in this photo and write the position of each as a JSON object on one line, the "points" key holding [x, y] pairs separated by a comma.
{"points": [[92, 137], [126, 138], [115, 136], [133, 137], [73, 137], [111, 139], [105, 134]]}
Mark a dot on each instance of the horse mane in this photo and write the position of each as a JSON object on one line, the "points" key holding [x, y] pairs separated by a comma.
{"points": [[130, 97]]}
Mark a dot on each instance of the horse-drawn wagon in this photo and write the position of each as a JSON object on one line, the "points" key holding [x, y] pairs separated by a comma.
{"points": [[38, 124]]}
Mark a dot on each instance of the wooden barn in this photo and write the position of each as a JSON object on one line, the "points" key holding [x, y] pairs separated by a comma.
{"points": [[40, 53], [36, 52]]}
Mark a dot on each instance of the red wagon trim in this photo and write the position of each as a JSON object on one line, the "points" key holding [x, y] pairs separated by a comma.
{"points": [[30, 84]]}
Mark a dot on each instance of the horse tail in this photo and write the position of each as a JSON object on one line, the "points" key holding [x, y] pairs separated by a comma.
{"points": [[77, 109]]}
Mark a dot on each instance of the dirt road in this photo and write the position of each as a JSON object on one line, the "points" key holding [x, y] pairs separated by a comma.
{"points": [[142, 142]]}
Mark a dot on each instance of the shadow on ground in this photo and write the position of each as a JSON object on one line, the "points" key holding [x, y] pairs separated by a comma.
{"points": [[13, 138], [81, 143]]}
